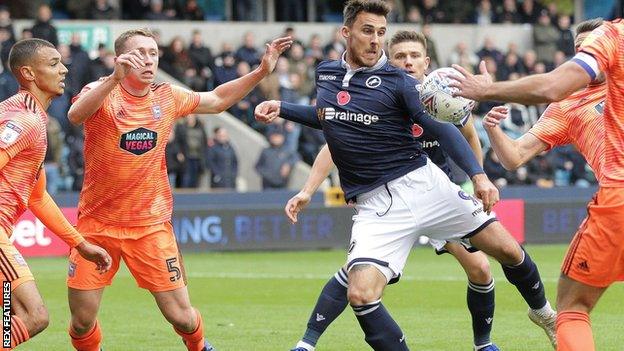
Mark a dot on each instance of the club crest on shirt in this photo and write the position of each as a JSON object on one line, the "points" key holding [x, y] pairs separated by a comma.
{"points": [[10, 133], [138, 141], [156, 111], [71, 271], [373, 82], [343, 97], [600, 107]]}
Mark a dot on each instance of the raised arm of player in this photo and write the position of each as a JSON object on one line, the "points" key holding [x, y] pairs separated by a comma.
{"points": [[227, 94], [535, 89], [470, 134], [512, 153], [323, 164], [91, 100], [43, 207], [267, 111]]}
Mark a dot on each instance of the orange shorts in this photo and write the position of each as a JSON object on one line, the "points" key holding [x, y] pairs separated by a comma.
{"points": [[150, 253], [596, 255], [13, 267]]}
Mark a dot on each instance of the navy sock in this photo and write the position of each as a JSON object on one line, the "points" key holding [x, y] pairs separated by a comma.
{"points": [[480, 300], [526, 278], [380, 330], [330, 304]]}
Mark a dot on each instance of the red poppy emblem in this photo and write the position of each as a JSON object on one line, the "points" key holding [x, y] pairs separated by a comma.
{"points": [[417, 131], [343, 98]]}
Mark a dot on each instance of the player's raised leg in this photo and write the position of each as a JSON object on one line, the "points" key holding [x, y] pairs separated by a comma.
{"points": [[84, 328], [479, 295], [176, 307], [330, 304], [521, 271]]}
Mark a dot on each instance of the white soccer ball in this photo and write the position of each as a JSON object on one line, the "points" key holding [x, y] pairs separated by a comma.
{"points": [[437, 97]]}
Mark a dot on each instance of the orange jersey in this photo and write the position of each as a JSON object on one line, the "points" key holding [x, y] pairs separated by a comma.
{"points": [[602, 51], [24, 138], [576, 120], [125, 180]]}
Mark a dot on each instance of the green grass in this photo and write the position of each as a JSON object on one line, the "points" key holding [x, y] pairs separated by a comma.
{"points": [[261, 301]]}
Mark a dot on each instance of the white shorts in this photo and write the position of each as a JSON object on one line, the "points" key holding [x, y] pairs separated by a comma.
{"points": [[391, 217], [440, 246]]}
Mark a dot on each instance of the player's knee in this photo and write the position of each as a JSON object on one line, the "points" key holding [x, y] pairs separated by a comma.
{"points": [[480, 273], [37, 320], [82, 323], [359, 296], [183, 319]]}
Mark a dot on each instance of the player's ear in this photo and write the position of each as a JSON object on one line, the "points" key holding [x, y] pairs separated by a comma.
{"points": [[345, 31], [27, 73], [427, 62]]}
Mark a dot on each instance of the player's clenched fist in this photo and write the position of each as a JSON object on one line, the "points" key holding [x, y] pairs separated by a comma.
{"points": [[95, 254], [267, 111], [124, 63], [485, 191], [295, 205], [495, 116], [273, 51]]}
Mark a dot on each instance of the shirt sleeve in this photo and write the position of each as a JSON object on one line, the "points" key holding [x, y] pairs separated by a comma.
{"points": [[186, 101], [599, 50], [19, 132], [551, 128]]}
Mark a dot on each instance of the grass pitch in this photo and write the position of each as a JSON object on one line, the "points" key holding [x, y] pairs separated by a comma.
{"points": [[261, 301]]}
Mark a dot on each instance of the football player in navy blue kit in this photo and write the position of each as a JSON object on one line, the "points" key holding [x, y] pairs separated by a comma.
{"points": [[366, 109]]}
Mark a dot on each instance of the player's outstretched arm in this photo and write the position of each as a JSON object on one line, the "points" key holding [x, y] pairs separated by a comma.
{"points": [[267, 111], [227, 94], [44, 208], [470, 134], [93, 94], [512, 153], [535, 89], [323, 164]]}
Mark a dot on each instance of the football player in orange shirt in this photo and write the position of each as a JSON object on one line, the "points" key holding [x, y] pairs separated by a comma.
{"points": [[37, 66], [595, 258], [126, 202]]}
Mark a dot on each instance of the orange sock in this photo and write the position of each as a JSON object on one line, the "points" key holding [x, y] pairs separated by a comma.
{"points": [[194, 341], [88, 342], [19, 332], [574, 332]]}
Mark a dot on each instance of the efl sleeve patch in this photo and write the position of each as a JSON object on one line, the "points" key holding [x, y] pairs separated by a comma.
{"points": [[9, 133]]}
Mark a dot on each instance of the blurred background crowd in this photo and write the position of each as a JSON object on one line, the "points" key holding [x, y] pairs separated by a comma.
{"points": [[197, 157]]}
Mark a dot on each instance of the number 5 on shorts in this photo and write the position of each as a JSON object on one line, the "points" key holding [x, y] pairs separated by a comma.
{"points": [[171, 267]]}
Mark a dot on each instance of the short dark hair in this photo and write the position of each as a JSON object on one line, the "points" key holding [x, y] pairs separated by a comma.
{"points": [[354, 7], [120, 42], [589, 25], [408, 35], [24, 51]]}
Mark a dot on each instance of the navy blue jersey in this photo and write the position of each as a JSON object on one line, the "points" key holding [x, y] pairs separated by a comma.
{"points": [[367, 116], [432, 147]]}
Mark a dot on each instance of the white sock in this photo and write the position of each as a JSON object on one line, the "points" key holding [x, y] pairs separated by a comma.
{"points": [[544, 310], [305, 345]]}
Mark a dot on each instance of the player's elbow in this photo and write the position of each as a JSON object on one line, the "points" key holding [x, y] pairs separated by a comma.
{"points": [[74, 117]]}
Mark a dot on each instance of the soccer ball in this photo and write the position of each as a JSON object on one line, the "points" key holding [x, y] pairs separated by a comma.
{"points": [[437, 97]]}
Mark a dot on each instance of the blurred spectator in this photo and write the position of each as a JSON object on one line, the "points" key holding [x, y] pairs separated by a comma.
{"points": [[103, 65], [175, 161], [560, 59], [337, 43], [244, 109], [75, 160], [566, 37], [180, 66], [26, 34], [310, 143], [191, 11], [247, 10], [80, 63], [6, 22], [508, 13], [52, 162], [275, 163], [103, 10], [78, 9], [545, 38], [511, 65], [489, 49], [461, 55], [413, 15], [432, 51], [222, 161], [529, 11], [495, 170], [227, 70], [396, 13], [295, 58], [248, 52], [214, 10], [540, 171], [202, 59], [135, 9], [569, 166], [457, 11], [431, 13], [158, 12], [484, 13], [43, 28], [8, 84], [529, 60], [315, 49], [192, 137], [5, 44]]}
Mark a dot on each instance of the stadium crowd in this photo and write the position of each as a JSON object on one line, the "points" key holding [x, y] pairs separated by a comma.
{"points": [[193, 153]]}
